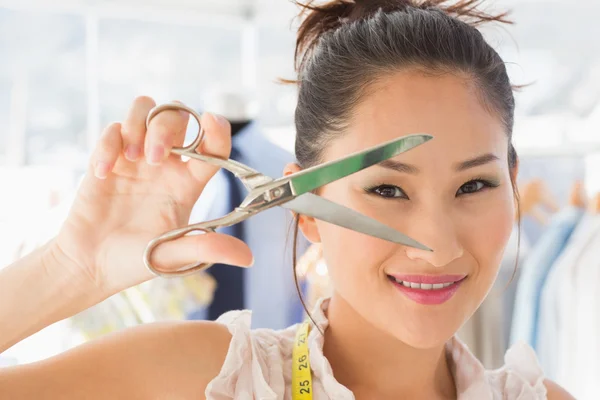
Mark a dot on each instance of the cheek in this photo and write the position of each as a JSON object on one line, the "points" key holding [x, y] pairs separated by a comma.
{"points": [[350, 255], [486, 232]]}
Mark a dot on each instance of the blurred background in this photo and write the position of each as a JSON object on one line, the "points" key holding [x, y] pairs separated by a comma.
{"points": [[70, 67]]}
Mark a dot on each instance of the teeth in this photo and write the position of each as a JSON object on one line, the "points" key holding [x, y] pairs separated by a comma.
{"points": [[425, 286]]}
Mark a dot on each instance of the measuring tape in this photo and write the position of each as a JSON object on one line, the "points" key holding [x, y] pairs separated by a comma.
{"points": [[301, 375]]}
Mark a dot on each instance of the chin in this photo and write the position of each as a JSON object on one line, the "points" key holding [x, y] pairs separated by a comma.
{"points": [[423, 319], [422, 335], [423, 326]]}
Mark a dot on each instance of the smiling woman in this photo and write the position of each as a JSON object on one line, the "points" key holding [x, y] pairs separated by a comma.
{"points": [[440, 194], [369, 72]]}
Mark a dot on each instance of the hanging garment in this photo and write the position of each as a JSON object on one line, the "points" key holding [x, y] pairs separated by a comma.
{"points": [[557, 304], [269, 288], [584, 346], [535, 270], [229, 292]]}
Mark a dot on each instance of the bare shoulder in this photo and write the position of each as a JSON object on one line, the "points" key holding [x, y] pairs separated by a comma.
{"points": [[175, 358], [556, 392]]}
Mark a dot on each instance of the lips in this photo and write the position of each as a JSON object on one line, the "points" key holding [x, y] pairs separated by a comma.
{"points": [[429, 279], [428, 289]]}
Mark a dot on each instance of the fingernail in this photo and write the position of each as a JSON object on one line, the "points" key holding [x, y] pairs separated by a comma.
{"points": [[251, 262], [157, 152], [219, 119], [132, 152], [101, 170]]}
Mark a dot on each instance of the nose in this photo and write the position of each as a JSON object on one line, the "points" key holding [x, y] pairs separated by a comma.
{"points": [[437, 231]]}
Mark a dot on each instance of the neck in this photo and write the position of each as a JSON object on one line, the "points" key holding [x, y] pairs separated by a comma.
{"points": [[363, 357]]}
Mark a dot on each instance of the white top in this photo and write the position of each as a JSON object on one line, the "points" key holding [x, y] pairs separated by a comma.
{"points": [[258, 365]]}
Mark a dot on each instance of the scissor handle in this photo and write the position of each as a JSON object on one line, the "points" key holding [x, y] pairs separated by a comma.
{"points": [[232, 218], [250, 177], [191, 148]]}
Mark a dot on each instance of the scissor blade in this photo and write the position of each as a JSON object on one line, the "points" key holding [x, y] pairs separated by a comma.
{"points": [[312, 178], [328, 211]]}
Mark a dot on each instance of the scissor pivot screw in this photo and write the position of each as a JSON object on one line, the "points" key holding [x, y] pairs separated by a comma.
{"points": [[277, 192]]}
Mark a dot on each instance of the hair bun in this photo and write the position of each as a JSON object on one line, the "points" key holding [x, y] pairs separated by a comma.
{"points": [[333, 14], [365, 8]]}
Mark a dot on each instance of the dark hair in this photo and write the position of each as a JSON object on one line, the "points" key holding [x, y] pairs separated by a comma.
{"points": [[344, 47]]}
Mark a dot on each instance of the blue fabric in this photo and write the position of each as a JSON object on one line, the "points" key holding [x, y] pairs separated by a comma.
{"points": [[229, 293], [269, 288], [535, 271]]}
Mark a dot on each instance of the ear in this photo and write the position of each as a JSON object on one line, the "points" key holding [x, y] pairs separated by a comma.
{"points": [[308, 225]]}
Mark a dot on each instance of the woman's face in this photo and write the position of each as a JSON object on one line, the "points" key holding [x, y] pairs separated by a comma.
{"points": [[453, 194]]}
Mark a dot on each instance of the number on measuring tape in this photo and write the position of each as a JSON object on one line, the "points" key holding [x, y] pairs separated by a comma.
{"points": [[301, 374]]}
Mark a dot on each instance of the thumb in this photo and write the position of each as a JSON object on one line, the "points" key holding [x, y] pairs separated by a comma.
{"points": [[206, 248]]}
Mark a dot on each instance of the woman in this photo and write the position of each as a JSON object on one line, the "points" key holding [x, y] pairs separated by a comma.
{"points": [[369, 71]]}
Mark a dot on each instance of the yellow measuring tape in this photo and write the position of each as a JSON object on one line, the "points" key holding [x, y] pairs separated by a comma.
{"points": [[301, 375]]}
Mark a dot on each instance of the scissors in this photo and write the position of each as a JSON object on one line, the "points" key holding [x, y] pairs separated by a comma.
{"points": [[293, 192]]}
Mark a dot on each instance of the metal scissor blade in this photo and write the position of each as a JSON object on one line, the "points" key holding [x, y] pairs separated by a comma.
{"points": [[312, 178], [328, 211]]}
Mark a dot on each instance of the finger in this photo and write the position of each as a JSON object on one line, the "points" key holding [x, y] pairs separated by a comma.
{"points": [[134, 127], [165, 130], [216, 142], [210, 248], [107, 151]]}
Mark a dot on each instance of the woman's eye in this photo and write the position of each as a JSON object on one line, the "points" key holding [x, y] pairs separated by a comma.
{"points": [[388, 191], [471, 187]]}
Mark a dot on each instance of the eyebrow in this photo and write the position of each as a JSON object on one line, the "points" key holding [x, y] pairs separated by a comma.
{"points": [[461, 166]]}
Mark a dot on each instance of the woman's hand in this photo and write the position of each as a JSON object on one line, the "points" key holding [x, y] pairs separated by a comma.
{"points": [[133, 191]]}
